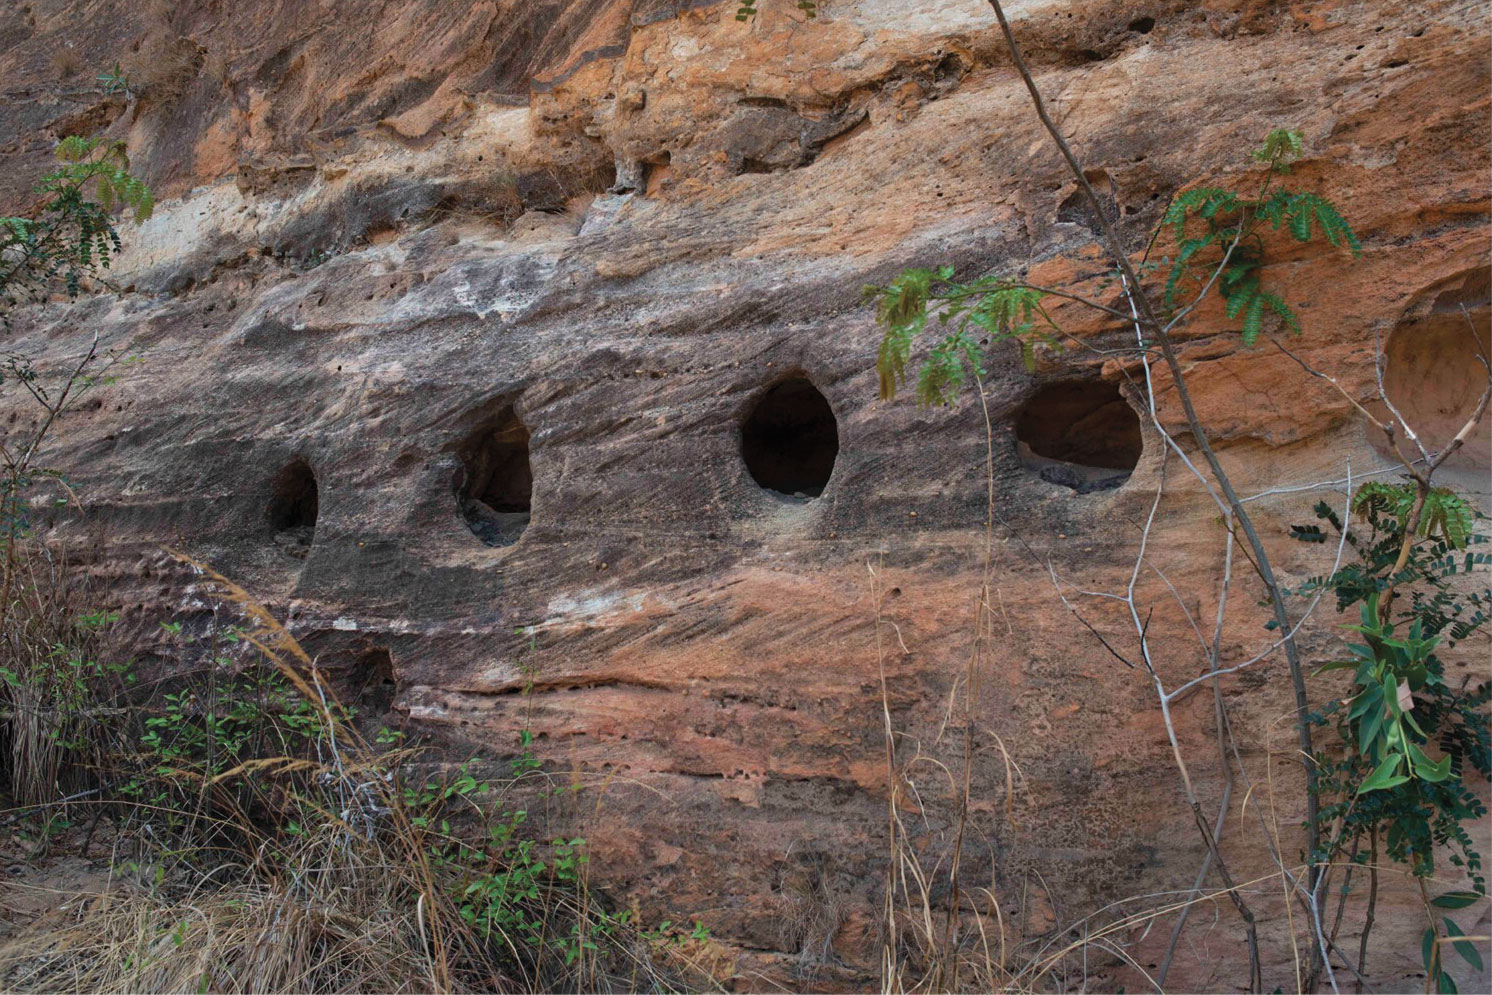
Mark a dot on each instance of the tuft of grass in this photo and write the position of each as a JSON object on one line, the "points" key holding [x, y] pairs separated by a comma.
{"points": [[164, 68], [56, 696], [66, 63]]}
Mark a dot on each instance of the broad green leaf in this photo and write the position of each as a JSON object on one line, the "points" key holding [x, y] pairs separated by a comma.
{"points": [[1371, 698], [1426, 769], [1384, 776], [1465, 948], [1368, 729], [1456, 899]]}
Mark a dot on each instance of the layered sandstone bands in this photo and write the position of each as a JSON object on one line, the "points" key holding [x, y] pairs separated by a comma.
{"points": [[383, 224]]}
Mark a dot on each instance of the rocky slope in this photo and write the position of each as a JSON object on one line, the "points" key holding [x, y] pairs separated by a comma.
{"points": [[401, 244]]}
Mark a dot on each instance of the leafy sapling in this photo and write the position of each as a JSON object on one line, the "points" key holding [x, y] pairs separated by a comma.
{"points": [[72, 234]]}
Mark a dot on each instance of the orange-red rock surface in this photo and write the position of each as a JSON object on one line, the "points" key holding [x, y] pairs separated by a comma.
{"points": [[380, 222]]}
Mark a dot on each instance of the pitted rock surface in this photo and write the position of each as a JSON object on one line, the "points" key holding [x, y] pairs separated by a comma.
{"points": [[384, 224]]}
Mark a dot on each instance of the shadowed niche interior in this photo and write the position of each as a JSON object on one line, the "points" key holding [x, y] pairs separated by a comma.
{"points": [[1434, 374], [791, 439], [495, 484], [374, 674], [293, 504], [1079, 434]]}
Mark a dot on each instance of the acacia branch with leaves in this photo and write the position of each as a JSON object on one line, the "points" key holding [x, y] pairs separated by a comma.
{"points": [[67, 240], [1231, 226]]}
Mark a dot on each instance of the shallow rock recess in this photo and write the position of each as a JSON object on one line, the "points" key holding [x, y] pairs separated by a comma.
{"points": [[407, 249]]}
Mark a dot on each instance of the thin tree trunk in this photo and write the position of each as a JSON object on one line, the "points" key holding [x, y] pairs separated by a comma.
{"points": [[1156, 329]]}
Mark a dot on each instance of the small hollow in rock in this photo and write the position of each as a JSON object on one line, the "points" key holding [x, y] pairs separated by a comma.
{"points": [[1078, 210], [1433, 373], [494, 485], [791, 439], [374, 674], [1079, 434], [293, 504]]}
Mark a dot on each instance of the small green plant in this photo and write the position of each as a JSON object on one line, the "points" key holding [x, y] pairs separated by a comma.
{"points": [[273, 849], [59, 689], [1432, 943], [747, 9], [1385, 788], [115, 82], [1210, 220], [68, 238]]}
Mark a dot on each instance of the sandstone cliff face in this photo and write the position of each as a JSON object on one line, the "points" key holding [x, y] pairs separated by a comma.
{"points": [[403, 243]]}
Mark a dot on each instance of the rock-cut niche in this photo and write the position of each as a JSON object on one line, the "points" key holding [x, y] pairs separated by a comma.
{"points": [[1433, 373], [494, 486], [1079, 434], [377, 690], [293, 504], [790, 439]]}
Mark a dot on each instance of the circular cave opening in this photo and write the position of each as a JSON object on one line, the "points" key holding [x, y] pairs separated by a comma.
{"points": [[790, 439], [1079, 434], [494, 487], [1434, 374], [293, 505]]}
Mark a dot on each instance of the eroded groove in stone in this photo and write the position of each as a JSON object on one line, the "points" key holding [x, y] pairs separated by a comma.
{"points": [[790, 439], [1079, 434], [494, 486]]}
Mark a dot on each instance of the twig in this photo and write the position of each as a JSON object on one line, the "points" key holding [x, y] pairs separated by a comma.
{"points": [[18, 814]]}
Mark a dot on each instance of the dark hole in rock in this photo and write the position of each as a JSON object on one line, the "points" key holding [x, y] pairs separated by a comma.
{"points": [[1077, 209], [950, 68], [752, 101], [791, 439], [293, 504], [1143, 25], [374, 677], [1079, 434], [495, 484]]}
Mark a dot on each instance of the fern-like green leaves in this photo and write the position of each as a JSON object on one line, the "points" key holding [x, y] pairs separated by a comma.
{"points": [[72, 234], [943, 375], [1202, 202], [983, 312], [1302, 213], [1281, 148], [1220, 230], [1219, 237], [746, 9], [1445, 514], [901, 307]]}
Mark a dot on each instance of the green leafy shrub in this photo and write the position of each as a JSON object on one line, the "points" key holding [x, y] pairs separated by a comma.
{"points": [[71, 235], [1401, 705]]}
